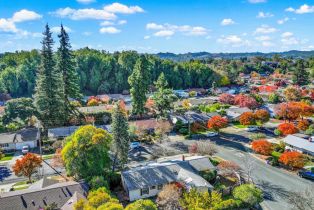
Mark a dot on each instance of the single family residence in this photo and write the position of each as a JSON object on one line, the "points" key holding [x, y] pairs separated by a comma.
{"points": [[300, 144], [16, 140], [148, 180]]}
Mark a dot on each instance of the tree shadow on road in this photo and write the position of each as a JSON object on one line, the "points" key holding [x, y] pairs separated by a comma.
{"points": [[4, 172], [233, 141], [273, 191]]}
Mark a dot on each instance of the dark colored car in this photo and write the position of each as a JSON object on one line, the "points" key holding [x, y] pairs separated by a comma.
{"points": [[306, 174]]}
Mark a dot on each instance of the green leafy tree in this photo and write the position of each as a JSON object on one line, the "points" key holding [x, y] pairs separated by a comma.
{"points": [[21, 108], [300, 74], [66, 66], [273, 98], [49, 94], [248, 194], [120, 134], [164, 97], [85, 153], [139, 82], [142, 205], [200, 200]]}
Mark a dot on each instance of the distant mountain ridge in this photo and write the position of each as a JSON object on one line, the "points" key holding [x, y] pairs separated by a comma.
{"points": [[205, 55]]}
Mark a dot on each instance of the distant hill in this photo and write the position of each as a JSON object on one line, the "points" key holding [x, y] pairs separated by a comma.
{"points": [[205, 55]]}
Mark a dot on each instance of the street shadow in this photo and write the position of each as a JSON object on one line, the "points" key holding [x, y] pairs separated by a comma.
{"points": [[233, 141], [180, 146], [273, 191], [4, 172], [138, 154]]}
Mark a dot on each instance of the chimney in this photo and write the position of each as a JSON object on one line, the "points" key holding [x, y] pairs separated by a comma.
{"points": [[183, 158]]}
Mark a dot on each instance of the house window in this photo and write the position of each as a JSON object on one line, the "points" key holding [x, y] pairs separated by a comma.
{"points": [[159, 187], [153, 187], [145, 191]]}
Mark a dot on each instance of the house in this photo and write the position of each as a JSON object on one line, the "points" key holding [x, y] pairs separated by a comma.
{"points": [[63, 194], [270, 108], [16, 141], [300, 144], [191, 117], [148, 180], [181, 93], [233, 113], [62, 132]]}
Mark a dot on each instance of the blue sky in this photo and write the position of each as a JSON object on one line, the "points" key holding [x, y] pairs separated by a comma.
{"points": [[152, 26]]}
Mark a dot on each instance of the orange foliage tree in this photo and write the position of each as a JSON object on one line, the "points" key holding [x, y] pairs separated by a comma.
{"points": [[262, 115], [262, 147], [217, 122], [292, 159], [247, 118], [27, 165], [303, 125], [288, 111], [287, 128]]}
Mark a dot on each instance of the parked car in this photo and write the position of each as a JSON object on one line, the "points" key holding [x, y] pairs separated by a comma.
{"points": [[306, 174], [211, 134], [252, 128], [25, 149], [135, 145]]}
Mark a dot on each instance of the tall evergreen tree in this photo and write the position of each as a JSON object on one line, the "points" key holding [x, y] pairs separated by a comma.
{"points": [[300, 74], [66, 66], [120, 134], [49, 94], [164, 97], [139, 82]]}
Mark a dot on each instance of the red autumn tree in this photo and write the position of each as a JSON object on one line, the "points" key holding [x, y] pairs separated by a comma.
{"points": [[306, 110], [57, 160], [226, 98], [217, 122], [292, 159], [262, 115], [262, 147], [288, 111], [287, 128], [303, 125], [27, 165], [228, 168], [246, 101], [247, 118]]}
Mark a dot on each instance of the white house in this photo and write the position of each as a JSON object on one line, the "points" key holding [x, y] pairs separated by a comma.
{"points": [[16, 141], [148, 180], [233, 113]]}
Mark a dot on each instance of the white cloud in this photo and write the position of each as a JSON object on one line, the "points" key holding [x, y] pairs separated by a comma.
{"points": [[57, 29], [233, 40], [263, 38], [265, 29], [282, 21], [87, 33], [154, 26], [85, 1], [25, 15], [302, 9], [146, 37], [227, 21], [81, 14], [7, 26], [164, 33], [289, 39], [107, 23], [264, 15], [122, 22], [121, 8], [167, 30], [109, 30], [267, 44], [257, 1]]}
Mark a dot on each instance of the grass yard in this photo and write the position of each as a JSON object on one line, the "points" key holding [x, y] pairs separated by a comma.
{"points": [[238, 125], [276, 154], [46, 157], [7, 157], [20, 185]]}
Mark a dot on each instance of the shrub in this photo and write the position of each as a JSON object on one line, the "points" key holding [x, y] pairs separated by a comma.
{"points": [[142, 205], [247, 118], [277, 132], [262, 147], [192, 93], [273, 98], [183, 131], [280, 147], [98, 182], [209, 175], [287, 128], [228, 204], [93, 102], [262, 115], [292, 159], [248, 194]]}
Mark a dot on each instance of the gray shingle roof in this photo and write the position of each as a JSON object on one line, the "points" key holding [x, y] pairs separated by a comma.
{"points": [[39, 198], [29, 134]]}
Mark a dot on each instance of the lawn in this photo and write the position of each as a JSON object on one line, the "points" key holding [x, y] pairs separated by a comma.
{"points": [[46, 157], [276, 154], [20, 185], [7, 157], [238, 125]]}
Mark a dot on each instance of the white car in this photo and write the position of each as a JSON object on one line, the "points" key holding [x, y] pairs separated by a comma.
{"points": [[252, 128], [211, 134], [25, 149]]}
